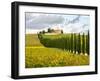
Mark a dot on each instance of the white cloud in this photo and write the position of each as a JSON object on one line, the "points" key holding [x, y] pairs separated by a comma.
{"points": [[36, 22], [75, 28], [40, 21]]}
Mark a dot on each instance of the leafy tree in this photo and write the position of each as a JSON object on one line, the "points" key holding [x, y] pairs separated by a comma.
{"points": [[49, 30], [43, 31]]}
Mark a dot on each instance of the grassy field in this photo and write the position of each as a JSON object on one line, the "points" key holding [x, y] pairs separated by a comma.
{"points": [[36, 55], [32, 40]]}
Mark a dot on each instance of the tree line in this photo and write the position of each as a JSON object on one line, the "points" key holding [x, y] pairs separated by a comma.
{"points": [[74, 42], [49, 30]]}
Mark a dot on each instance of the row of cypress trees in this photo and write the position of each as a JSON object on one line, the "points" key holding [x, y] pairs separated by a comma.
{"points": [[74, 42], [78, 43]]}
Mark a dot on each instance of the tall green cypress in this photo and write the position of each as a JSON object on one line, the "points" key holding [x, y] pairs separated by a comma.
{"points": [[79, 44], [68, 43], [65, 43], [72, 42], [87, 43], [83, 43], [75, 42]]}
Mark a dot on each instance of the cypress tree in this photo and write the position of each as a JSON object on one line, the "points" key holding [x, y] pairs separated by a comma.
{"points": [[87, 43], [72, 42], [83, 43], [76, 43], [68, 43], [79, 44]]}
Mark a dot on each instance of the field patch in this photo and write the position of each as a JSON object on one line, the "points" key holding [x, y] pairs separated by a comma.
{"points": [[37, 55], [52, 57], [32, 40]]}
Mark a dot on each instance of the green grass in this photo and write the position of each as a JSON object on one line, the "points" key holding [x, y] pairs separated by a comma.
{"points": [[50, 57], [36, 55], [32, 40]]}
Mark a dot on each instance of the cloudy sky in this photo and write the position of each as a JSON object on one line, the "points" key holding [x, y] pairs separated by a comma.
{"points": [[69, 23]]}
